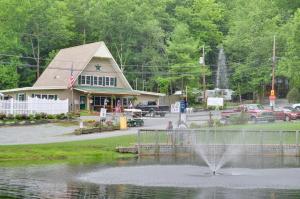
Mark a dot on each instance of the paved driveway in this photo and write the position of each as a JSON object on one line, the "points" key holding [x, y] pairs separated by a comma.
{"points": [[49, 133]]}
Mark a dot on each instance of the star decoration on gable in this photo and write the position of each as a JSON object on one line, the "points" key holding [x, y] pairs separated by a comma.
{"points": [[98, 67]]}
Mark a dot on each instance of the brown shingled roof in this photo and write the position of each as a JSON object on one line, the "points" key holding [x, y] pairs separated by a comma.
{"points": [[59, 70]]}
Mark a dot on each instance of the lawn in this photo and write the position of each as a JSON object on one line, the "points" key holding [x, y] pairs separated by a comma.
{"points": [[276, 126], [78, 151]]}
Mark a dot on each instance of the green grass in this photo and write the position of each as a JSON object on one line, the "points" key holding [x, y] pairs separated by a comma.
{"points": [[98, 150], [276, 126], [87, 113]]}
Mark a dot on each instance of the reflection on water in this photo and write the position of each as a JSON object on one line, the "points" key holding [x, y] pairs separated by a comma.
{"points": [[60, 181]]}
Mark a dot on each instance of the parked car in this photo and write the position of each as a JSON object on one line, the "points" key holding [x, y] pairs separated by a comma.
{"points": [[279, 114], [151, 108], [291, 113], [256, 112], [296, 106]]}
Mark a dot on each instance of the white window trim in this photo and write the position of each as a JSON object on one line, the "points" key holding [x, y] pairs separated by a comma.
{"points": [[18, 96], [97, 85], [35, 94]]}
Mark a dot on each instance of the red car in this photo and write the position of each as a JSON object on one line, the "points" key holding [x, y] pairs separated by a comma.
{"points": [[291, 113], [256, 113]]}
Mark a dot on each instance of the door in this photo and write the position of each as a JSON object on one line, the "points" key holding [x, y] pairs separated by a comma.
{"points": [[82, 102]]}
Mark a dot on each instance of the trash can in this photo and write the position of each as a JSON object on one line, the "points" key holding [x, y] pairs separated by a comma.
{"points": [[123, 122]]}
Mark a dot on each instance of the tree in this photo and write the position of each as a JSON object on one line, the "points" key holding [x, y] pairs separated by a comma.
{"points": [[9, 77]]}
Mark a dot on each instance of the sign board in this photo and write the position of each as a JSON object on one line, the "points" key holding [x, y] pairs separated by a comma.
{"points": [[103, 113], [201, 61], [215, 101], [175, 107], [272, 93]]}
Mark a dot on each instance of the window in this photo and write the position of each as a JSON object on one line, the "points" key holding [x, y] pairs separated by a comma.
{"points": [[44, 97], [95, 80], [88, 80], [112, 81], [97, 101], [100, 81], [79, 79], [124, 101], [51, 97], [115, 82], [106, 81], [37, 95], [83, 79], [21, 97]]}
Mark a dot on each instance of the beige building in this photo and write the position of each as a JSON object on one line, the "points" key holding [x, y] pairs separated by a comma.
{"points": [[98, 80]]}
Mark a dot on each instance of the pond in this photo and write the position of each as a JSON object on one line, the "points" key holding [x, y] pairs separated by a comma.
{"points": [[76, 181]]}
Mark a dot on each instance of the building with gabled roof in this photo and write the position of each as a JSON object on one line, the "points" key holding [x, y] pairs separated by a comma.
{"points": [[98, 80]]}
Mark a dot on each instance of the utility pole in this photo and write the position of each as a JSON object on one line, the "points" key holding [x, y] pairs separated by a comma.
{"points": [[136, 82], [272, 96], [202, 61], [273, 65]]}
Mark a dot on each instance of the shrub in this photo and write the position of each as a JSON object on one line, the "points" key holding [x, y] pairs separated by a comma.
{"points": [[31, 117], [2, 116], [61, 116], [37, 116], [43, 115], [10, 117], [109, 123], [50, 117], [21, 117], [241, 118], [293, 95]]}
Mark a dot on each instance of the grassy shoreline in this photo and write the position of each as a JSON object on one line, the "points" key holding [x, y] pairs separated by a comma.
{"points": [[72, 152], [101, 150]]}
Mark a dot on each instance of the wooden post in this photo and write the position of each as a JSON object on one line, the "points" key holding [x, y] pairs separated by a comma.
{"points": [[139, 142], [281, 143], [261, 142], [297, 143], [156, 143]]}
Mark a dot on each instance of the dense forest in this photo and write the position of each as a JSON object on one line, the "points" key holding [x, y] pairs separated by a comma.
{"points": [[157, 43]]}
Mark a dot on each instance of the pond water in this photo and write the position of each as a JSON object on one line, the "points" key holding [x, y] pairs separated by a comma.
{"points": [[98, 180]]}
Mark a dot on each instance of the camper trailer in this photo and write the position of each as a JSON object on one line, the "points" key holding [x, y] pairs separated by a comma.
{"points": [[225, 93]]}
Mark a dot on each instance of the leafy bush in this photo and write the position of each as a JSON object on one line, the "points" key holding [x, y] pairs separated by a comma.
{"points": [[10, 117], [241, 118], [50, 116], [43, 115], [21, 117], [2, 116], [61, 116], [37, 116], [72, 115], [109, 123], [31, 117], [294, 95]]}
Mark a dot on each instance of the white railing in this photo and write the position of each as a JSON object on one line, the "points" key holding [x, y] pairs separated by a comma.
{"points": [[34, 105]]}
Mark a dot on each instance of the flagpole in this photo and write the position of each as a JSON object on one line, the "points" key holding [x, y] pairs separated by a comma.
{"points": [[72, 93]]}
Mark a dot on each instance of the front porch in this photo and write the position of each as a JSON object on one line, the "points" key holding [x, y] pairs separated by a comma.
{"points": [[95, 98]]}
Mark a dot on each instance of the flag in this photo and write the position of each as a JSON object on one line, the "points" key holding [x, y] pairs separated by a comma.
{"points": [[71, 80]]}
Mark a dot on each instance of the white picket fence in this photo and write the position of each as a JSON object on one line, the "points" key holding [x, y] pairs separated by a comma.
{"points": [[34, 105]]}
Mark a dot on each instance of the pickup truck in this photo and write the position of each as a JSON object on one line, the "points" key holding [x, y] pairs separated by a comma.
{"points": [[256, 113], [296, 106], [151, 109]]}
